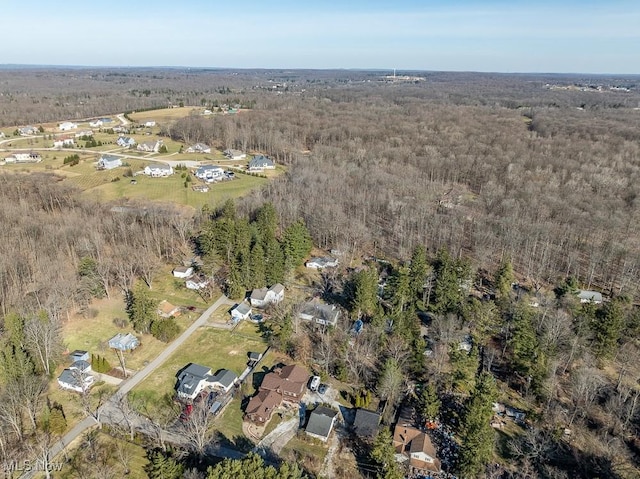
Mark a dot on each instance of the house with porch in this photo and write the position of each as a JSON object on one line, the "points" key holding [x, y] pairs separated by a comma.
{"points": [[158, 170], [196, 378], [320, 313], [109, 162], [209, 173], [126, 142]]}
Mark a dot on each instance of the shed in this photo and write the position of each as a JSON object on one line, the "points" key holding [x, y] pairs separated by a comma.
{"points": [[124, 342]]}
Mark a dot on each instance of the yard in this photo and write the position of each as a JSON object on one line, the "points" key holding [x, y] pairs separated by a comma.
{"points": [[92, 331], [165, 114], [212, 347]]}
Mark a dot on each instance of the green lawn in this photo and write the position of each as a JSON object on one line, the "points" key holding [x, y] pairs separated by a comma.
{"points": [[169, 189], [165, 114], [216, 348]]}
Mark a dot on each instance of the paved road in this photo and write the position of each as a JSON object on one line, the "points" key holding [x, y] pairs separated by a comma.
{"points": [[132, 382]]}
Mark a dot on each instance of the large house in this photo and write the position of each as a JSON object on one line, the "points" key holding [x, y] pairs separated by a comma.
{"points": [[320, 262], [197, 282], [96, 123], [158, 170], [109, 162], [27, 131], [320, 313], [321, 423], [282, 384], [262, 297], [234, 154], [196, 378], [260, 163], [199, 148], [67, 125], [126, 141], [182, 271], [150, 146], [63, 141], [77, 377], [417, 447], [209, 173], [31, 157]]}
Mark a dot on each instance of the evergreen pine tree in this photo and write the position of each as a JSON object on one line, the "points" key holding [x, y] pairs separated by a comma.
{"points": [[418, 270], [524, 342], [57, 423], [383, 456], [476, 435], [258, 277], [235, 286], [429, 402], [162, 467], [296, 244], [364, 299], [274, 262], [504, 277]]}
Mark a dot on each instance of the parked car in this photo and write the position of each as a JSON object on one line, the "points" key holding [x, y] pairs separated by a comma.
{"points": [[322, 388], [314, 383], [186, 412]]}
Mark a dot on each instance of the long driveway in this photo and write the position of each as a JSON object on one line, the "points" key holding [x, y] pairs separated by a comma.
{"points": [[132, 382]]}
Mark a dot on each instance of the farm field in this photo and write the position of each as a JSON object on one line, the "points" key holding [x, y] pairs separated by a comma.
{"points": [[165, 114]]}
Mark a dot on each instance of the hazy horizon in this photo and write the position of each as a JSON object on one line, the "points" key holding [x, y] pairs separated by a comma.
{"points": [[459, 36]]}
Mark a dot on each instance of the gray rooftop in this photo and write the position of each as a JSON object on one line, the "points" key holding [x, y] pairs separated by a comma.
{"points": [[225, 377], [321, 421], [366, 422], [242, 308]]}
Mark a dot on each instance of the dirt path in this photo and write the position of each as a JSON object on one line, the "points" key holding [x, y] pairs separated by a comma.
{"points": [[279, 437]]}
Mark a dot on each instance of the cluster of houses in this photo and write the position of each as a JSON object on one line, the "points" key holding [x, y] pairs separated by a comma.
{"points": [[193, 281]]}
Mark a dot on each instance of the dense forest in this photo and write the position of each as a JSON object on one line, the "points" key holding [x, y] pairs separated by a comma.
{"points": [[465, 207]]}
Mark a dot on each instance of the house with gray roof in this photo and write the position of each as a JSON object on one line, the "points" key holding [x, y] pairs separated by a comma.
{"points": [[586, 296], [240, 311], [196, 378], [263, 297], [260, 163], [366, 423], [209, 173], [158, 170], [124, 342], [150, 146], [75, 380], [27, 131], [321, 423], [321, 262], [232, 154], [198, 148], [126, 141], [109, 162], [320, 313]]}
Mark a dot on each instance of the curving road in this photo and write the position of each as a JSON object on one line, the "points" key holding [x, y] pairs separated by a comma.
{"points": [[132, 382]]}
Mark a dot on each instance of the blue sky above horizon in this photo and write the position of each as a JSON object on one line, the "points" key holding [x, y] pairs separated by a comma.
{"points": [[459, 35]]}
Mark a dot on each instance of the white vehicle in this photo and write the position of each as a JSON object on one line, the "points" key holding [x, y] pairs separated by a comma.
{"points": [[315, 382]]}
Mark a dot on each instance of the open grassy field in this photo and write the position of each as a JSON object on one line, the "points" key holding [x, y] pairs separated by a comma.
{"points": [[165, 114], [92, 333], [169, 189], [216, 348]]}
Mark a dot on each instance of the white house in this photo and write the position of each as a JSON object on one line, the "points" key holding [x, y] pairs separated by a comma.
{"points": [[31, 157], [586, 296], [96, 123], [150, 146], [262, 297], [1, 134], [182, 272], [199, 148], [234, 154], [125, 141], [28, 130], [67, 125], [82, 133], [321, 262], [76, 379], [240, 311], [63, 141], [197, 282], [109, 162], [195, 378], [209, 173], [260, 163], [149, 124], [158, 170]]}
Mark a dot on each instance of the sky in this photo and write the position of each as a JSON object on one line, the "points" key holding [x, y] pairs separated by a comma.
{"points": [[557, 36]]}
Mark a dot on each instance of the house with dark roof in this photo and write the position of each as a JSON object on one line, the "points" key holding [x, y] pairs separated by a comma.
{"points": [[260, 163], [126, 142], [28, 130], [209, 173], [366, 423], [321, 422], [417, 447], [195, 378], [150, 146], [263, 297], [76, 379], [320, 313]]}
